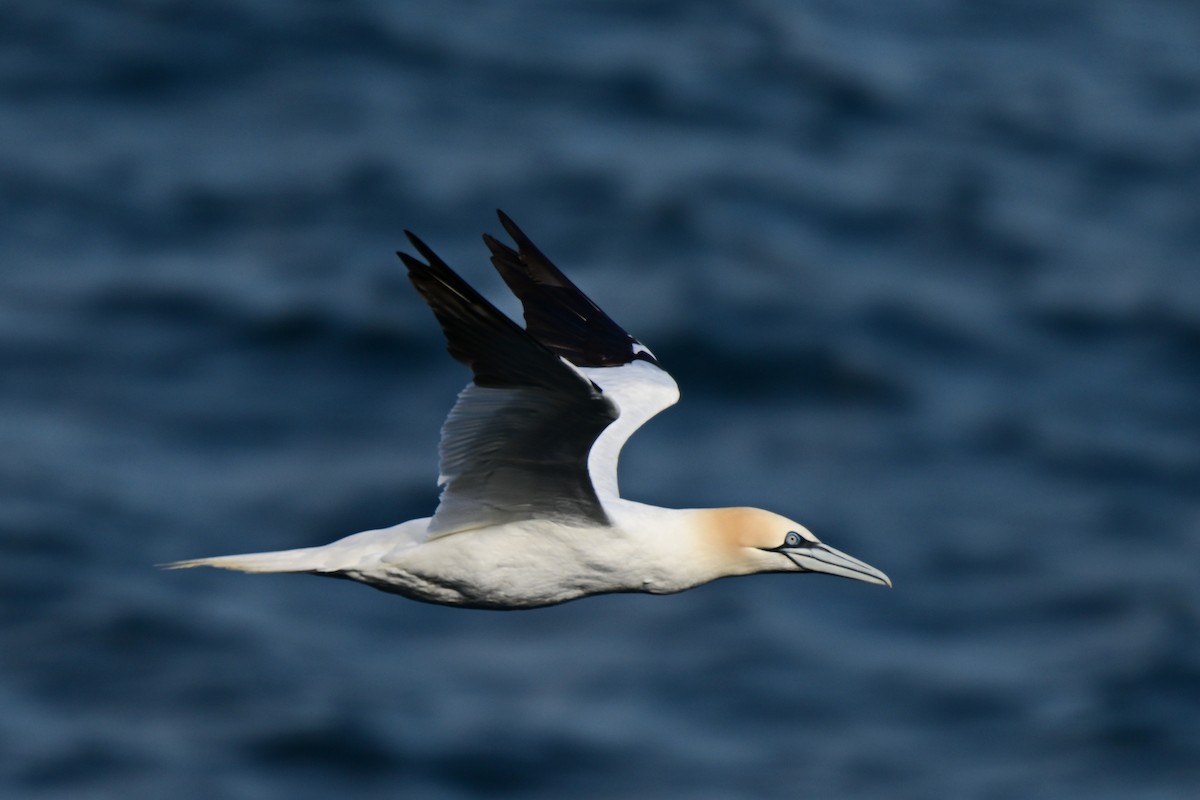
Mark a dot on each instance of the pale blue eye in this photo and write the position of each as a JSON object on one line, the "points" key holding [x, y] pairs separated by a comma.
{"points": [[792, 539]]}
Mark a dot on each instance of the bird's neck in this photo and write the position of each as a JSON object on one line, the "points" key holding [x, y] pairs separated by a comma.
{"points": [[681, 548]]}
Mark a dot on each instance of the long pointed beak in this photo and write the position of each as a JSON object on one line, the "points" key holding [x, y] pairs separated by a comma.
{"points": [[819, 557]]}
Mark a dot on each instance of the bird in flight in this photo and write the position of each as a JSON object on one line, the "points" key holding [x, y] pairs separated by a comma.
{"points": [[530, 514]]}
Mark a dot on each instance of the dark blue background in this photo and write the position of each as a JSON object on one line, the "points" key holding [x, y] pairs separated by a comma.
{"points": [[926, 272]]}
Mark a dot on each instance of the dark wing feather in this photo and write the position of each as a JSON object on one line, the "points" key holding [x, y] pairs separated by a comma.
{"points": [[516, 443], [557, 313]]}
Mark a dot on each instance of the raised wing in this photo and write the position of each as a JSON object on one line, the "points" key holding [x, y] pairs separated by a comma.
{"points": [[557, 314], [516, 443], [567, 322]]}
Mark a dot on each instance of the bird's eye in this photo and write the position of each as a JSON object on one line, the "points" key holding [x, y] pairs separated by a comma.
{"points": [[792, 539]]}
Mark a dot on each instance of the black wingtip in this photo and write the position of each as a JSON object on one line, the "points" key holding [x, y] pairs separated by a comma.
{"points": [[557, 313], [425, 250], [518, 235], [414, 265], [495, 245]]}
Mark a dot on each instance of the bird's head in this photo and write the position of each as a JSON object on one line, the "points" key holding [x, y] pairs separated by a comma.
{"points": [[755, 540]]}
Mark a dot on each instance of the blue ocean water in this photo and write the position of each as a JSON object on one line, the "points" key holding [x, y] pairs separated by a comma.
{"points": [[926, 272]]}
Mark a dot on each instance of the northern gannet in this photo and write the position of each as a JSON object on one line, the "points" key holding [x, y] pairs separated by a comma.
{"points": [[529, 513]]}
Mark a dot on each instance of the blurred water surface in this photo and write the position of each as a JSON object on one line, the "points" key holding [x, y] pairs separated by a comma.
{"points": [[926, 272]]}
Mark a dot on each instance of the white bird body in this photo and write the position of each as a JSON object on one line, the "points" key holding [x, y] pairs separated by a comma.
{"points": [[539, 562], [530, 514]]}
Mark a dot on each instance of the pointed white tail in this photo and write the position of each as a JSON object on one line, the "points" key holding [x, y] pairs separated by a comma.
{"points": [[305, 559]]}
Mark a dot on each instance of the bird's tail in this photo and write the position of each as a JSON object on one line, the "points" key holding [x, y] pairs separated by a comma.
{"points": [[305, 559]]}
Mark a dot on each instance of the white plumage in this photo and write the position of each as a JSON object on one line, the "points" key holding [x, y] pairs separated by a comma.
{"points": [[530, 512]]}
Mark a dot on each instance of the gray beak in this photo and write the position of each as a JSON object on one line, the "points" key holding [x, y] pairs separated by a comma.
{"points": [[818, 557]]}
